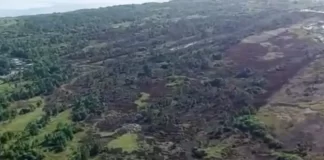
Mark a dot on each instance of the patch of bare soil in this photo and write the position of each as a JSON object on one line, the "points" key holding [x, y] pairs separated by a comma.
{"points": [[295, 114], [156, 88], [290, 60], [275, 56]]}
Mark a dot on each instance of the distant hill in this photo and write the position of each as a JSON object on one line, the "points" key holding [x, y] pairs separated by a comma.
{"points": [[65, 7], [52, 9]]}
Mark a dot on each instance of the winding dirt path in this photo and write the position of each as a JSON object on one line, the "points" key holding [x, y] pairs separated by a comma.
{"points": [[65, 88]]}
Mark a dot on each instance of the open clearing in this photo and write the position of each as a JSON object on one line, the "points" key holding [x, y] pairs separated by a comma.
{"points": [[142, 101], [279, 54], [291, 60], [294, 70], [127, 142], [5, 87], [20, 122], [295, 114], [70, 148], [63, 118]]}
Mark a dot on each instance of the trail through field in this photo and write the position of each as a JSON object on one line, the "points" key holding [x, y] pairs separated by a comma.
{"points": [[65, 88]]}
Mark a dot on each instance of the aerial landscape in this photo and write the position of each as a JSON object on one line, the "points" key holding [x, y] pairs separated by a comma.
{"points": [[174, 80]]}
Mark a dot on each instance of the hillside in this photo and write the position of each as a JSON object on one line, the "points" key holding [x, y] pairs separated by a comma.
{"points": [[33, 7], [185, 79]]}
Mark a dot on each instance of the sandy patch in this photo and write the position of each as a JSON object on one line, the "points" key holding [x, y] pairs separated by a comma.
{"points": [[264, 36], [272, 55]]}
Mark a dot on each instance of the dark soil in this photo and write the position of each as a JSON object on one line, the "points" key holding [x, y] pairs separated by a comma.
{"points": [[276, 71]]}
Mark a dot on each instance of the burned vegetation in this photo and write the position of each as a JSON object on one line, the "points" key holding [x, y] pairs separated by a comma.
{"points": [[174, 80]]}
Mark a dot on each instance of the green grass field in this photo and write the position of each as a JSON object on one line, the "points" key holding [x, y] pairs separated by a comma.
{"points": [[215, 152], [49, 128], [127, 142], [35, 100], [23, 103], [71, 147], [20, 122], [142, 101], [5, 87], [10, 86]]}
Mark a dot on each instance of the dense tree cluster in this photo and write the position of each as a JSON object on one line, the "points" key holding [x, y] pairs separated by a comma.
{"points": [[252, 125], [5, 66], [90, 148], [34, 127], [57, 140], [19, 150], [85, 106], [6, 113]]}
